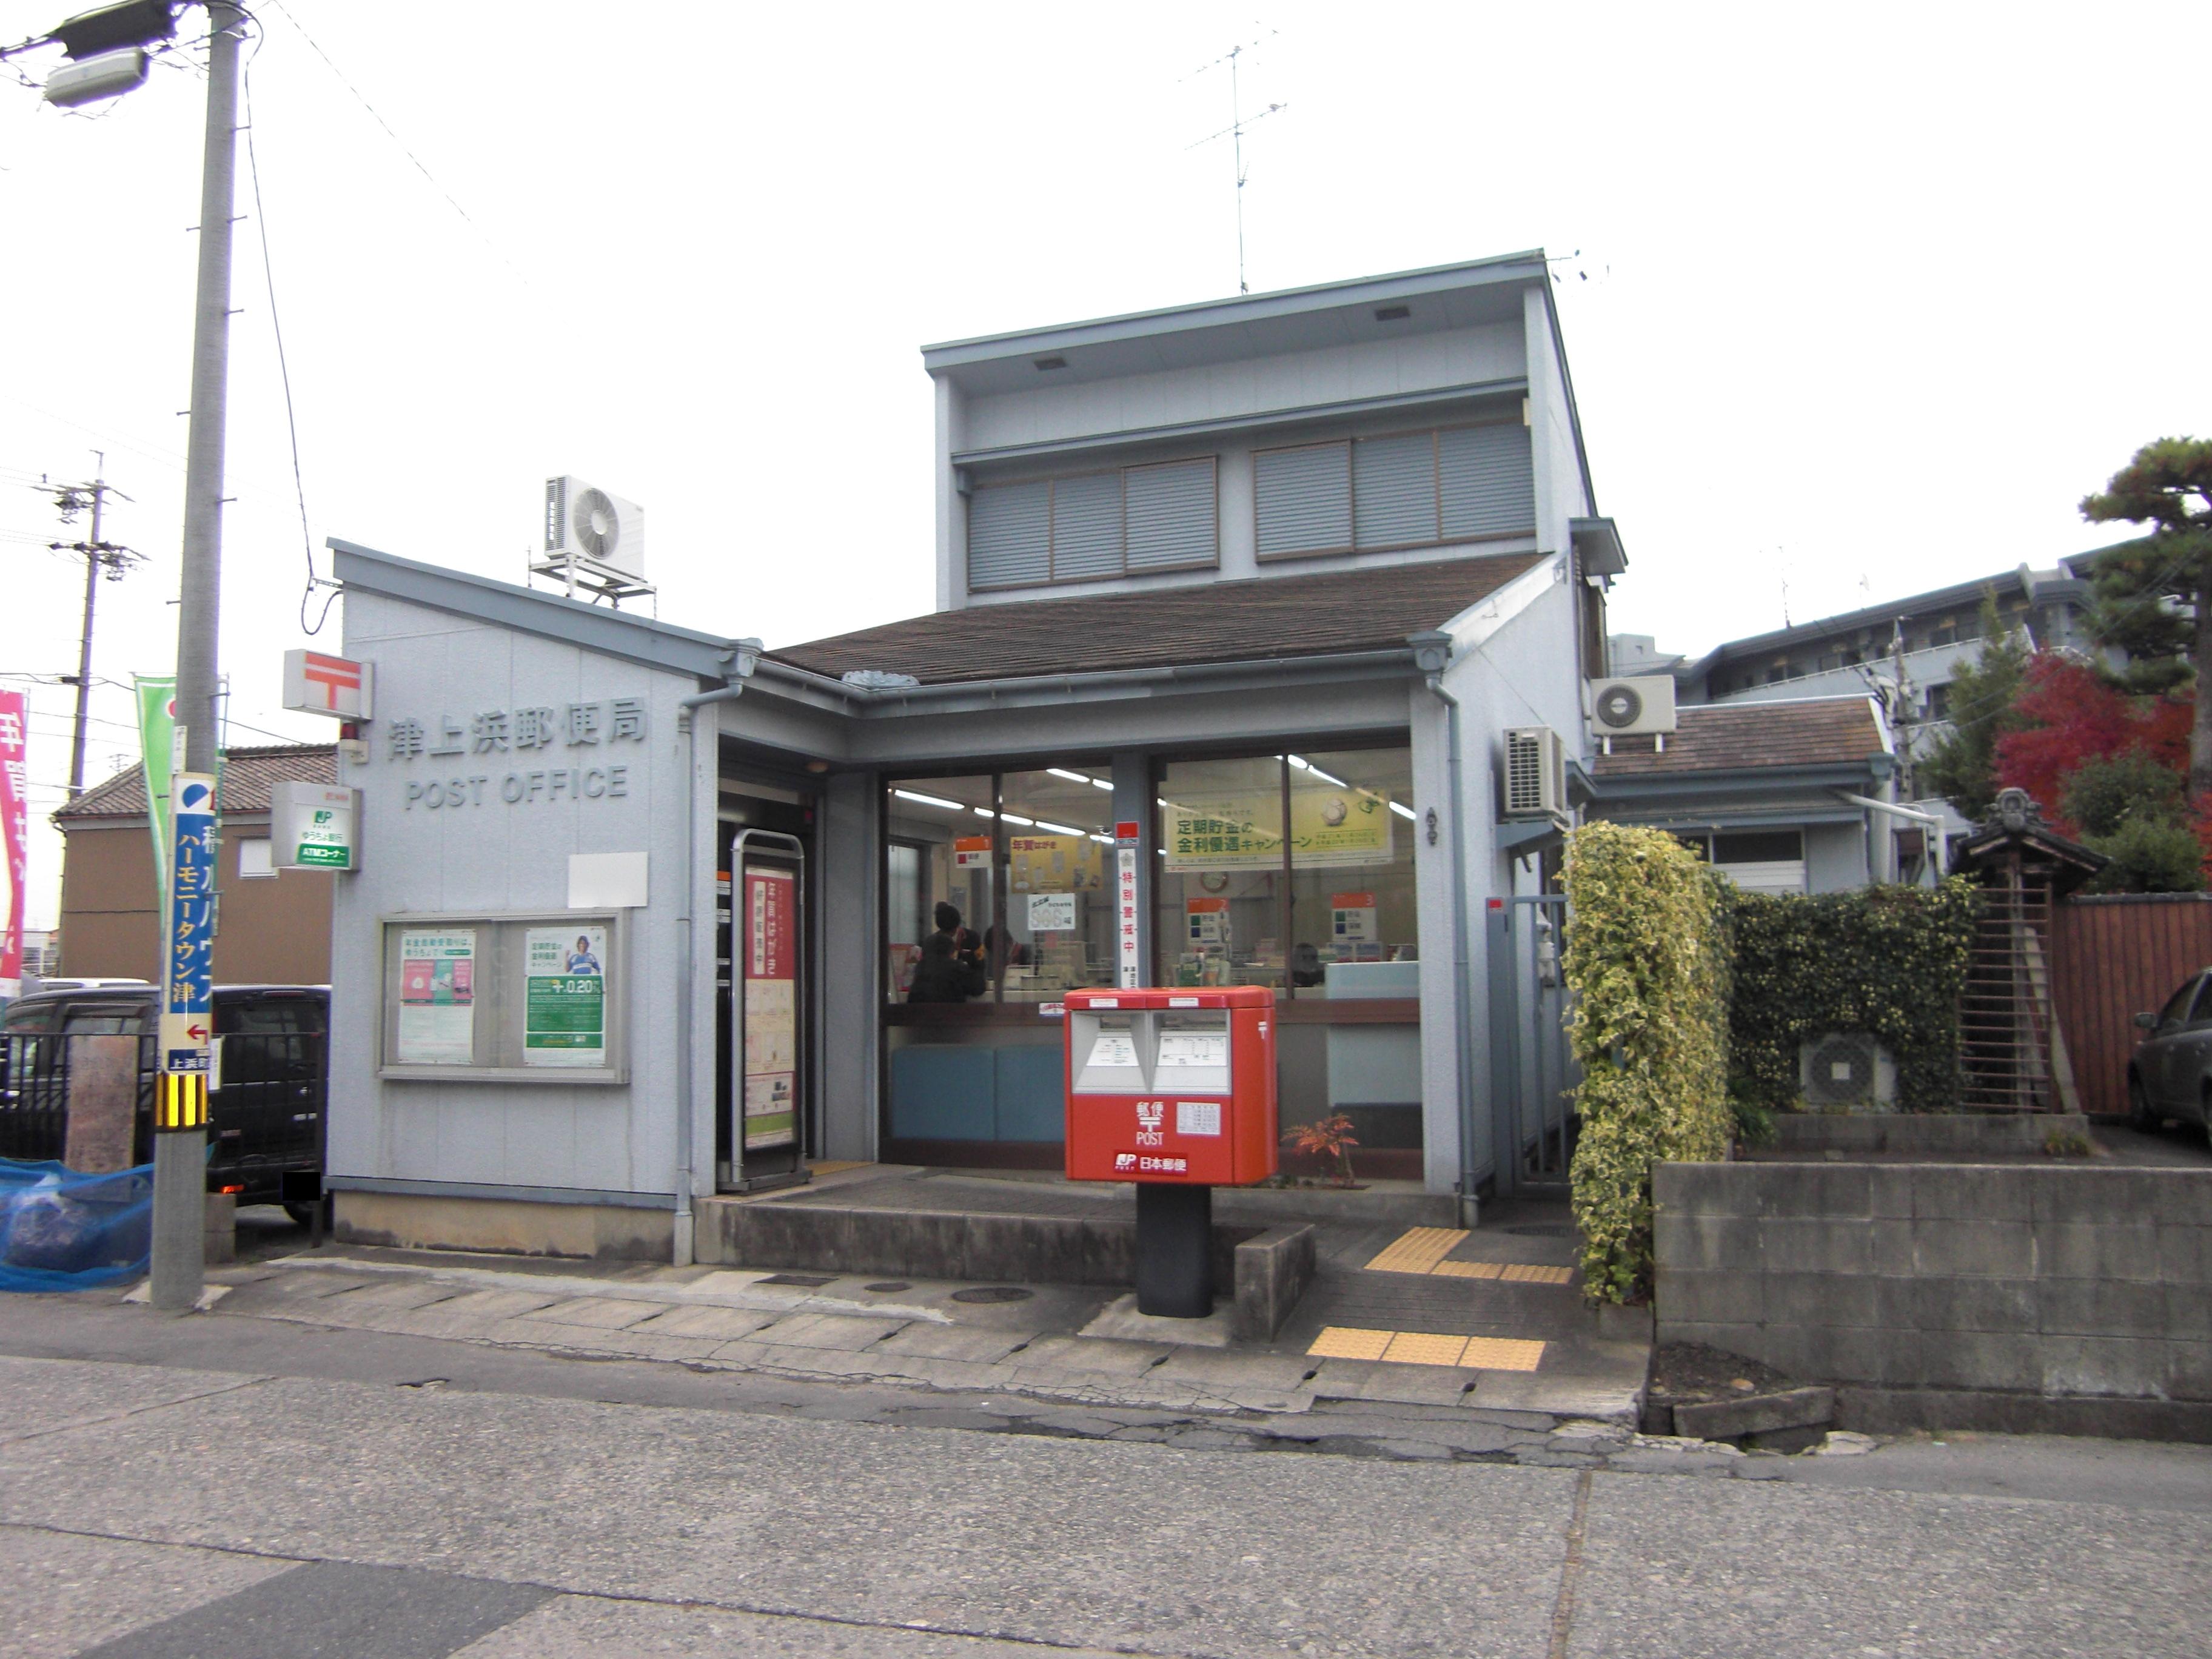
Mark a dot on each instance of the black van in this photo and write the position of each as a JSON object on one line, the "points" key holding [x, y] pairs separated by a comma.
{"points": [[271, 1080]]}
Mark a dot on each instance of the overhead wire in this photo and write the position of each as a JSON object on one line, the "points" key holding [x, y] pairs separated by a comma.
{"points": [[283, 364]]}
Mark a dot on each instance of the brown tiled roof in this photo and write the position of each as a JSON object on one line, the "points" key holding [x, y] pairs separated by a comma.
{"points": [[1333, 611], [247, 775], [1737, 736]]}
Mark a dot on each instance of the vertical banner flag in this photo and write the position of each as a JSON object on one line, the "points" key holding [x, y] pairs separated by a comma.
{"points": [[188, 973], [771, 1009], [14, 823], [157, 732], [1131, 968]]}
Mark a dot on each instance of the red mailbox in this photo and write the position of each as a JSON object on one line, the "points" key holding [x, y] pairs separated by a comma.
{"points": [[1171, 1085]]}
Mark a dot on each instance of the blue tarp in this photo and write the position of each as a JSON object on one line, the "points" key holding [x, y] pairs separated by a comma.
{"points": [[61, 1230]]}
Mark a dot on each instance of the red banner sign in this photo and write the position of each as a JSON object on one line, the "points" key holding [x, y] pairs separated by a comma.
{"points": [[14, 828]]}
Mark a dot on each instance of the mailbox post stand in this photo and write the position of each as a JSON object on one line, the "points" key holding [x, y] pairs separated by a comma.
{"points": [[1174, 1090], [1174, 1250]]}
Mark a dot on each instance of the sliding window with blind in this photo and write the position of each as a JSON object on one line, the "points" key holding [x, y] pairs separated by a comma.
{"points": [[1130, 521], [1403, 489]]}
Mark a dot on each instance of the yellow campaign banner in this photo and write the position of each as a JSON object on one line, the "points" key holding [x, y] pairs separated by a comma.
{"points": [[1054, 864], [1330, 829]]}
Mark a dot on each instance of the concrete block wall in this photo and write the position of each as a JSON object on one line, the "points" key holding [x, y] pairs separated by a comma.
{"points": [[2054, 1280]]}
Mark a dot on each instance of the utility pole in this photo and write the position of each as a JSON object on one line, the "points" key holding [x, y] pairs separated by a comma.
{"points": [[100, 557], [180, 1154]]}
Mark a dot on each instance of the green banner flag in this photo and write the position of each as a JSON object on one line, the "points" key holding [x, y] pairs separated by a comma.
{"points": [[157, 729]]}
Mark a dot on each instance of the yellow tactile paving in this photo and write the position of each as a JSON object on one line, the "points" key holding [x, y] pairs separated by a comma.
{"points": [[1529, 1272], [1418, 1250], [1421, 1348], [1489, 1353], [1422, 1250], [1501, 1353], [1336, 1342], [838, 1166]]}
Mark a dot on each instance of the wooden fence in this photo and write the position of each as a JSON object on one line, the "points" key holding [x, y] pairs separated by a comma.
{"points": [[2113, 958]]}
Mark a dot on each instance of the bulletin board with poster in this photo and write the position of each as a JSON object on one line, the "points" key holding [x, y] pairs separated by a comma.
{"points": [[535, 997]]}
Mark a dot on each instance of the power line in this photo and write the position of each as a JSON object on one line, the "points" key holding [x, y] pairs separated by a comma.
{"points": [[283, 364], [279, 6]]}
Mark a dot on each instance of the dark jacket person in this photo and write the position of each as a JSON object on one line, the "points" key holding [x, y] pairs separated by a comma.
{"points": [[944, 974]]}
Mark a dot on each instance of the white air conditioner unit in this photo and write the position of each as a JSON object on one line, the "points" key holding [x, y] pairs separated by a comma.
{"points": [[584, 522], [1536, 773], [1845, 1069], [1620, 708]]}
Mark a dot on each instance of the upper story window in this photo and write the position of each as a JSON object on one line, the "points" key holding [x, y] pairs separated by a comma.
{"points": [[1405, 490], [1126, 522]]}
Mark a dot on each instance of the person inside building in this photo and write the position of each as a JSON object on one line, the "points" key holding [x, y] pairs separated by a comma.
{"points": [[951, 965]]}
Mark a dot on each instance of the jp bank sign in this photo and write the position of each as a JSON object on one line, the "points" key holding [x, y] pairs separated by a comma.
{"points": [[574, 744]]}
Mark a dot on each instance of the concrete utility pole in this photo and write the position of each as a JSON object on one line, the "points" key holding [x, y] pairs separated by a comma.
{"points": [[181, 1155], [100, 557]]}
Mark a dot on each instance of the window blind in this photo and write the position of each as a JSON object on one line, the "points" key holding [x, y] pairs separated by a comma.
{"points": [[1157, 517], [1487, 483], [1394, 489], [1302, 498]]}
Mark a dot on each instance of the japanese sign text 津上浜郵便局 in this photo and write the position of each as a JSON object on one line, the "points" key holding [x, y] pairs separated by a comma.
{"points": [[520, 731]]}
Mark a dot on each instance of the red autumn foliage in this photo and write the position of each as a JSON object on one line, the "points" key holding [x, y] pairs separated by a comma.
{"points": [[2074, 717]]}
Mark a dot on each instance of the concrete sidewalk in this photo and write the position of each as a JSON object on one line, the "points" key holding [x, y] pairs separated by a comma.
{"points": [[1061, 1343]]}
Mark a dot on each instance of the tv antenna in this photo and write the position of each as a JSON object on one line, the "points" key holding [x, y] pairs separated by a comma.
{"points": [[1235, 133]]}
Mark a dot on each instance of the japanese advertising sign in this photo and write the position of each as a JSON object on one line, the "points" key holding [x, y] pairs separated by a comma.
{"points": [[1053, 864], [564, 1020], [1131, 967], [1329, 828], [1052, 913], [188, 964], [311, 827], [770, 923], [437, 997], [14, 824], [317, 683]]}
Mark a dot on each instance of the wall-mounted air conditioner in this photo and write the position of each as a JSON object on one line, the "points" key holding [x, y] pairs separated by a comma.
{"points": [[582, 521], [1624, 708], [1536, 773], [1845, 1069]]}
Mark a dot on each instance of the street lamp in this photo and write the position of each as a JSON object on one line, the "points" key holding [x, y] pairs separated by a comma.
{"points": [[108, 50]]}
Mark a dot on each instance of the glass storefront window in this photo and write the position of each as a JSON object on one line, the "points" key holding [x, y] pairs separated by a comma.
{"points": [[939, 849], [1351, 872], [1059, 931], [1219, 903], [1240, 902]]}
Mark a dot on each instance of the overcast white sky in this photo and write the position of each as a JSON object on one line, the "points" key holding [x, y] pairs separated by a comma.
{"points": [[1874, 295]]}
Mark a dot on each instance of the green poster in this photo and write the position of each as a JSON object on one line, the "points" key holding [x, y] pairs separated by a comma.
{"points": [[565, 1003], [157, 728]]}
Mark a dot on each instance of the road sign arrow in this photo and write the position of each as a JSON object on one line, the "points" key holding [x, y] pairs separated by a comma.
{"points": [[196, 1033]]}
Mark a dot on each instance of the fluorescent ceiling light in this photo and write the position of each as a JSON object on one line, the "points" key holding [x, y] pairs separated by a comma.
{"points": [[985, 812], [1402, 811], [1073, 777], [1103, 840], [1060, 828], [1016, 818], [929, 800]]}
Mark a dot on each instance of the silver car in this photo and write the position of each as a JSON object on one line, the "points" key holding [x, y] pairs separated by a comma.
{"points": [[2171, 1074]]}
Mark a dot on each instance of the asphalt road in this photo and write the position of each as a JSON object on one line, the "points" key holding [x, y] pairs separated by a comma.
{"points": [[195, 1491]]}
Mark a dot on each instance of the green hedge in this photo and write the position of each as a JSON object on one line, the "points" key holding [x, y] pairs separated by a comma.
{"points": [[1647, 961], [1887, 960]]}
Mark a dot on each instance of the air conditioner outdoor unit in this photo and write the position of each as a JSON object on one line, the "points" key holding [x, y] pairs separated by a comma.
{"points": [[1621, 708], [1846, 1068], [1536, 773], [583, 522]]}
